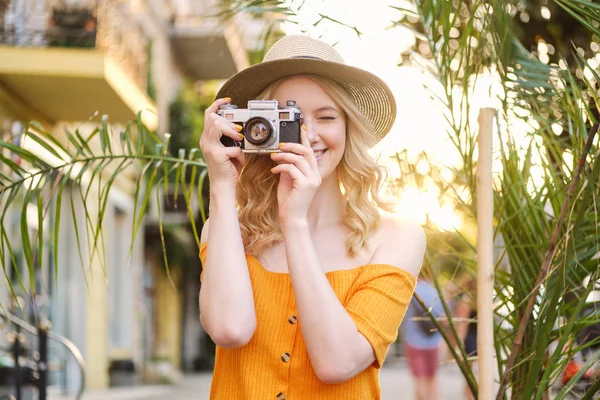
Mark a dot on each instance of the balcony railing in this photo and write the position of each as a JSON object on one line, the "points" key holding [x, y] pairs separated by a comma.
{"points": [[101, 25], [34, 357]]}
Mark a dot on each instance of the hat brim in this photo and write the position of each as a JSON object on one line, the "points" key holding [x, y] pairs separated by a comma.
{"points": [[372, 96]]}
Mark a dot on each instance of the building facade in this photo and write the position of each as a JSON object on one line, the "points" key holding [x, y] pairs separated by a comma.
{"points": [[65, 64]]}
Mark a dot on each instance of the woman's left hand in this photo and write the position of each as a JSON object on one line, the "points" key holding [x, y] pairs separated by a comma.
{"points": [[298, 181]]}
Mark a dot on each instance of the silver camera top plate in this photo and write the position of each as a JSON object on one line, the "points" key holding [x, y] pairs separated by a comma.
{"points": [[263, 105]]}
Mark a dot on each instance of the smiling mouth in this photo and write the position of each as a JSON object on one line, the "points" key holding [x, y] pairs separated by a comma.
{"points": [[319, 153]]}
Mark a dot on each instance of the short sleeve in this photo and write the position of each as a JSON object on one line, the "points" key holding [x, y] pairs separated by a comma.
{"points": [[437, 309], [430, 296], [379, 304], [202, 255]]}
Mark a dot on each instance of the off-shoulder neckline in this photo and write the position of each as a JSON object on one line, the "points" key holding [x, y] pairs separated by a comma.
{"points": [[335, 271], [328, 273]]}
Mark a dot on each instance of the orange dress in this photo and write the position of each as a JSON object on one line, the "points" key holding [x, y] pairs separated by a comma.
{"points": [[275, 363]]}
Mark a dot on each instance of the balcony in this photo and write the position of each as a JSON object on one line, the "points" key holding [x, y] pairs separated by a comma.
{"points": [[68, 62], [204, 46]]}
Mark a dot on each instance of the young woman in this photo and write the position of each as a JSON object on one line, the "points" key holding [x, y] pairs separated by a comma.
{"points": [[304, 284]]}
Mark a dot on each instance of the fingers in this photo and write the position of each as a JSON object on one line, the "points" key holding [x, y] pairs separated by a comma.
{"points": [[290, 158], [216, 126], [211, 116], [225, 128], [214, 107], [302, 149], [304, 137], [296, 148], [233, 152], [290, 169], [312, 160], [239, 159], [298, 160], [211, 138], [236, 155]]}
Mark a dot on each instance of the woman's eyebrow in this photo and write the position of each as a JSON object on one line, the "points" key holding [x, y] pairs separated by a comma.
{"points": [[326, 108]]}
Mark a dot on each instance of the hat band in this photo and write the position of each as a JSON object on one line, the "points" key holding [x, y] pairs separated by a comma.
{"points": [[311, 57]]}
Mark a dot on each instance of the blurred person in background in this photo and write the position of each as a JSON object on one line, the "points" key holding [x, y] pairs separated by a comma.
{"points": [[465, 312], [422, 339]]}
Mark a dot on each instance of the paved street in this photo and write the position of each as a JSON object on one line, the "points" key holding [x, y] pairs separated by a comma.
{"points": [[396, 384]]}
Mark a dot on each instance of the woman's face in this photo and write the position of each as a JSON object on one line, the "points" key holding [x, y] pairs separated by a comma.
{"points": [[324, 120]]}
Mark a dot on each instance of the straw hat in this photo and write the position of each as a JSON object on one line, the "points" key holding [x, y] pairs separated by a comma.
{"points": [[293, 55]]}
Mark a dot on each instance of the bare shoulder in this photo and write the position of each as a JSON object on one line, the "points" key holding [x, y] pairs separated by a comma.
{"points": [[204, 233], [401, 243]]}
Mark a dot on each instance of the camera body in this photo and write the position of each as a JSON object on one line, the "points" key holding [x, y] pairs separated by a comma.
{"points": [[264, 125]]}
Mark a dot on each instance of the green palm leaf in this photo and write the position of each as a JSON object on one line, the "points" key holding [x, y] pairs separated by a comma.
{"points": [[87, 172], [541, 96]]}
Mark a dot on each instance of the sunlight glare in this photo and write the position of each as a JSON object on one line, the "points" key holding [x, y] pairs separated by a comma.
{"points": [[445, 218], [420, 125]]}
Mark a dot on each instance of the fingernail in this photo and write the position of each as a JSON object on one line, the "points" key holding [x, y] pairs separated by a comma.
{"points": [[280, 144], [238, 127], [241, 136], [303, 126], [227, 98], [272, 155], [272, 169]]}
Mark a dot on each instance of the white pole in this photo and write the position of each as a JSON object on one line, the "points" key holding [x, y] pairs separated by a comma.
{"points": [[485, 256]]}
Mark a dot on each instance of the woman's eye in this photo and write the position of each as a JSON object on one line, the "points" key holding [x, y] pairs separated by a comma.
{"points": [[327, 118]]}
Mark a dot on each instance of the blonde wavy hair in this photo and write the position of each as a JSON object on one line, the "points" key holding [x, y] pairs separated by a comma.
{"points": [[359, 174]]}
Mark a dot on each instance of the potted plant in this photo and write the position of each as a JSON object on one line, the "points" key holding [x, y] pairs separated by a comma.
{"points": [[72, 25]]}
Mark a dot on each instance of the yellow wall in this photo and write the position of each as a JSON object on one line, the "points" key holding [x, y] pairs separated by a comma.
{"points": [[96, 338], [168, 303]]}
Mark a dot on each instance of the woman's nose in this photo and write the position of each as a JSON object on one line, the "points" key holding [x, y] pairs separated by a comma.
{"points": [[311, 132]]}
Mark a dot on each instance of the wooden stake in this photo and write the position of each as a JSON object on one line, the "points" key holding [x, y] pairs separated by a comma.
{"points": [[485, 256]]}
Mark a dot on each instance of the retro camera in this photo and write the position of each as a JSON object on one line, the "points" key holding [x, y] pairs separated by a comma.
{"points": [[264, 125]]}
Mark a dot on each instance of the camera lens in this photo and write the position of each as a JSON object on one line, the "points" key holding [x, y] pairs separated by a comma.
{"points": [[258, 131]]}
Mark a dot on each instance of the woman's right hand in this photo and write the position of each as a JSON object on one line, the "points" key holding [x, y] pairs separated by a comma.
{"points": [[224, 163]]}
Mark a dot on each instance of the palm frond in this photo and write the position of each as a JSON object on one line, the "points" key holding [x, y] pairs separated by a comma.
{"points": [[46, 166], [533, 176]]}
